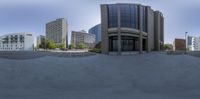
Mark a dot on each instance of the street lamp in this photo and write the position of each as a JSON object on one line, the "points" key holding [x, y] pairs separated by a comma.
{"points": [[186, 42]]}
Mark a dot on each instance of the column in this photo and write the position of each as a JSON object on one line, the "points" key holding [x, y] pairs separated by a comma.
{"points": [[119, 30], [140, 30]]}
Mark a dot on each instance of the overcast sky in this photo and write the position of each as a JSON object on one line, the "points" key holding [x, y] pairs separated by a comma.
{"points": [[31, 15]]}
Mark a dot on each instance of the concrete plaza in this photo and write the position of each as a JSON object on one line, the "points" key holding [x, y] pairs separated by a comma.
{"points": [[145, 76]]}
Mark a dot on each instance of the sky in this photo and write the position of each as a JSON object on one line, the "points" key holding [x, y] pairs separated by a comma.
{"points": [[31, 15]]}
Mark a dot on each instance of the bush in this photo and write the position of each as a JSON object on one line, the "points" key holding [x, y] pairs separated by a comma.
{"points": [[98, 45], [61, 46], [95, 50], [50, 44], [72, 46], [81, 46]]}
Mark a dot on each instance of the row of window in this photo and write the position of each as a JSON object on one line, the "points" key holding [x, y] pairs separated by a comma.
{"points": [[129, 16], [10, 48], [10, 45]]}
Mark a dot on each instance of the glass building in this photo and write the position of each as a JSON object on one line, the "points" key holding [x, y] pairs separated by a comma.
{"points": [[131, 27], [96, 30]]}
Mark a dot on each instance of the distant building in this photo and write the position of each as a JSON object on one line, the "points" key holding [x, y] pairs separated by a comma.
{"points": [[170, 47], [96, 30], [57, 31], [127, 27], [79, 37], [193, 43], [41, 41], [17, 42], [179, 45]]}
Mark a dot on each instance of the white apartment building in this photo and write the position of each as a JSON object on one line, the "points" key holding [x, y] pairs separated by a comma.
{"points": [[17, 42], [193, 43]]}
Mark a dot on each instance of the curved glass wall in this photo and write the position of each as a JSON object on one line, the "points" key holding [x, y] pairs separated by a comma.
{"points": [[112, 16], [129, 16]]}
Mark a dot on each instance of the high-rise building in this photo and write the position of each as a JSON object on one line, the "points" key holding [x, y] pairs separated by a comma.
{"points": [[79, 37], [17, 42], [96, 30], [131, 27], [41, 41], [57, 31], [193, 43]]}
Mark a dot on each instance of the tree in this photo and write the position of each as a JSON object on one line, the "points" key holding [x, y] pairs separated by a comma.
{"points": [[81, 46], [61, 46], [98, 45], [165, 46], [72, 46], [50, 44], [97, 48]]}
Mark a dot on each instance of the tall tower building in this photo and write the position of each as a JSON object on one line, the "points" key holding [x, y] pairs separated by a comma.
{"points": [[57, 31]]}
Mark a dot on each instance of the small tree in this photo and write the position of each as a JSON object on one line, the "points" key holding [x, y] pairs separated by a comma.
{"points": [[98, 45], [165, 46], [50, 44], [82, 46], [37, 46], [72, 46], [61, 46]]}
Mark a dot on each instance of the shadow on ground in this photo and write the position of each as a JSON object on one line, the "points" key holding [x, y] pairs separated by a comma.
{"points": [[31, 55]]}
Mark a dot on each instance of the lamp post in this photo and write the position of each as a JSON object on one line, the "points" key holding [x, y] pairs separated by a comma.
{"points": [[186, 42]]}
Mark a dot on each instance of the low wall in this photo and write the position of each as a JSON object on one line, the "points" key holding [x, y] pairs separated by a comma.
{"points": [[194, 53]]}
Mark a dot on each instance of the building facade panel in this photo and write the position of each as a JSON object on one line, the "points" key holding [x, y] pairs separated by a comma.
{"points": [[57, 31], [179, 45], [17, 42]]}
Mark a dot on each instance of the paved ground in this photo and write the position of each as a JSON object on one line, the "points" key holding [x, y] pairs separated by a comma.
{"points": [[30, 54], [146, 76]]}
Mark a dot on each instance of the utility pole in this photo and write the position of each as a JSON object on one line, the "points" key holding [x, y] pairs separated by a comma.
{"points": [[186, 42]]}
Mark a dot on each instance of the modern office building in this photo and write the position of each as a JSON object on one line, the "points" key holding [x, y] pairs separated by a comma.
{"points": [[57, 31], [131, 27], [193, 43], [96, 30], [41, 41], [78, 37], [179, 45], [17, 42]]}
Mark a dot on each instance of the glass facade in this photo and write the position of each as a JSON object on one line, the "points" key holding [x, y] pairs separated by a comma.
{"points": [[144, 19], [128, 43], [129, 16], [96, 30], [112, 16]]}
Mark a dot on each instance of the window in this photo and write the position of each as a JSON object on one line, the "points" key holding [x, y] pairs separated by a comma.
{"points": [[112, 16], [144, 19]]}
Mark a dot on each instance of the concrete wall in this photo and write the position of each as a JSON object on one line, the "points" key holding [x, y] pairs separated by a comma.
{"points": [[150, 23], [104, 29], [157, 31], [28, 42]]}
